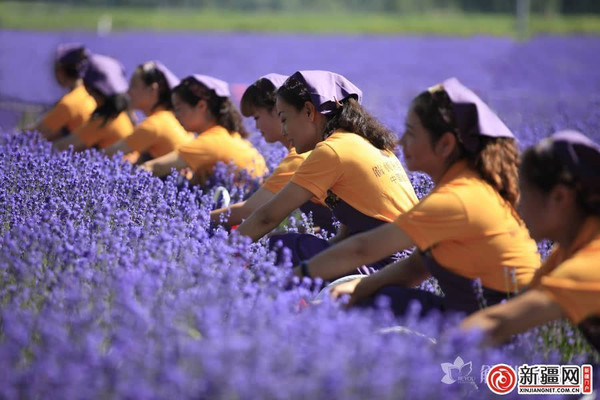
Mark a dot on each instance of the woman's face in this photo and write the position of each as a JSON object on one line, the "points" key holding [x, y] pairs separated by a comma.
{"points": [[300, 127], [547, 215], [61, 77], [419, 154], [192, 118], [143, 97], [533, 209], [268, 123]]}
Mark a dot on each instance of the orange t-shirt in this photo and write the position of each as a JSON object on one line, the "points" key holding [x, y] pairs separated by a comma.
{"points": [[370, 180], [216, 144], [284, 171], [71, 111], [571, 277], [160, 133], [472, 231], [93, 134]]}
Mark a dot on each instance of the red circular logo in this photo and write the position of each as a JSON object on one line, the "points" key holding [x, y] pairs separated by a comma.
{"points": [[501, 379]]}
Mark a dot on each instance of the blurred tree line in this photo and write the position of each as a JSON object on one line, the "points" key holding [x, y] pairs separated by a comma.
{"points": [[548, 7]]}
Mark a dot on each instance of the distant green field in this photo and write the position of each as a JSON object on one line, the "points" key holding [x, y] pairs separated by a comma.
{"points": [[40, 16]]}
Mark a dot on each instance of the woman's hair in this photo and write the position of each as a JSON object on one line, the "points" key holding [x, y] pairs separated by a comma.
{"points": [[350, 116], [76, 64], [222, 108], [149, 74], [261, 94], [111, 107], [495, 159], [542, 168]]}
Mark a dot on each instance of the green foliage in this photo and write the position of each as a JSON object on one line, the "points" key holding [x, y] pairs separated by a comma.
{"points": [[21, 15], [380, 6]]}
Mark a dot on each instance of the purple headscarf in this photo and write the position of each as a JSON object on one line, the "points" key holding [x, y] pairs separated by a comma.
{"points": [[276, 79], [474, 118], [72, 54], [106, 75], [170, 77], [580, 155], [221, 88], [327, 89]]}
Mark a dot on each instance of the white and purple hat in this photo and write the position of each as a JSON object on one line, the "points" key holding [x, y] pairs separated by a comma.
{"points": [[327, 89], [474, 118], [72, 54], [580, 155], [170, 77], [221, 88], [276, 79], [106, 75]]}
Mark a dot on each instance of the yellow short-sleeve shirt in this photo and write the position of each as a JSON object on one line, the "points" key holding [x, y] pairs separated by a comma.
{"points": [[284, 171], [571, 277], [216, 144], [71, 111], [95, 133], [472, 231], [160, 133], [368, 179]]}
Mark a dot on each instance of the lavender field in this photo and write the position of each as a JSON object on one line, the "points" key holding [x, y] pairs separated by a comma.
{"points": [[113, 284]]}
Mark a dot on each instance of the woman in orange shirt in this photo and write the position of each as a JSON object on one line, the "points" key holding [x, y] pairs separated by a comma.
{"points": [[560, 201], [258, 101], [105, 80], [465, 229], [201, 104], [160, 133], [75, 107], [351, 167]]}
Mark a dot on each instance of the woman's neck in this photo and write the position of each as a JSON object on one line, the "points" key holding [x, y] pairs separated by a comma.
{"points": [[210, 124], [436, 174], [151, 110], [75, 84], [569, 232]]}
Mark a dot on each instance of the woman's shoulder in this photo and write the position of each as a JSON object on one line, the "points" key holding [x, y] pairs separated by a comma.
{"points": [[122, 122], [77, 96], [151, 122]]}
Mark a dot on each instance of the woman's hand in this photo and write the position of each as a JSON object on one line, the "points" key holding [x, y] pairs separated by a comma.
{"points": [[266, 218], [358, 289], [147, 167]]}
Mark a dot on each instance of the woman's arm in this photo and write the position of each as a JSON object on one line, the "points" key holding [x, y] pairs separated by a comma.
{"points": [[341, 234], [269, 215], [242, 210], [121, 146], [162, 166], [71, 140], [407, 272], [517, 315], [358, 250], [46, 132]]}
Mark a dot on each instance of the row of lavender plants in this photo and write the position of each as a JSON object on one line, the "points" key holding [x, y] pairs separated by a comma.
{"points": [[113, 285]]}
